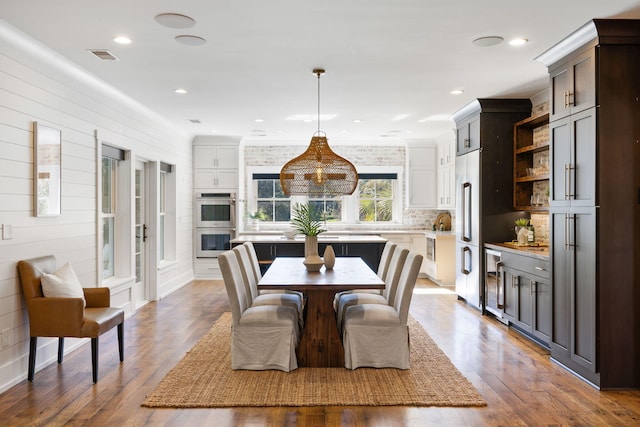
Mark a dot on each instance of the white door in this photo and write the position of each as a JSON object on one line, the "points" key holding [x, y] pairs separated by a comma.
{"points": [[141, 286]]}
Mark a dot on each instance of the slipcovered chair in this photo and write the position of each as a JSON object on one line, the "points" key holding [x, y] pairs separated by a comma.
{"points": [[262, 337], [388, 293], [377, 335], [253, 297], [66, 317], [255, 265], [383, 267]]}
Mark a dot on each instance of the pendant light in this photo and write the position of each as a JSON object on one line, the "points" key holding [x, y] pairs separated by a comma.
{"points": [[318, 171]]}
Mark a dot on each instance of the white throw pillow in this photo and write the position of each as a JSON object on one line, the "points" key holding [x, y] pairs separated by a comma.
{"points": [[62, 284]]}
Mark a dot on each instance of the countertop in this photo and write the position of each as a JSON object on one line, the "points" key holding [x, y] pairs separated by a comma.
{"points": [[329, 238], [540, 252]]}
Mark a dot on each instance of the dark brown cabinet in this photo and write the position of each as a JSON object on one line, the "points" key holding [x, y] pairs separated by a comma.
{"points": [[573, 85], [573, 159], [573, 257], [527, 290], [595, 201]]}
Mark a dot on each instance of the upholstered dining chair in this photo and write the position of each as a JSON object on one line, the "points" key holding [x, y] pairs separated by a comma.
{"points": [[396, 265], [255, 264], [383, 268], [66, 317], [377, 335], [253, 296], [263, 337]]}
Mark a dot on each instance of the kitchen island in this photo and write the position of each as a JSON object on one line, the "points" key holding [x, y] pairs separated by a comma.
{"points": [[268, 246]]}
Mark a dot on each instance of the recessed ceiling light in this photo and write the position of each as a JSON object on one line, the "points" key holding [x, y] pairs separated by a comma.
{"points": [[181, 91], [259, 120], [175, 20], [357, 121], [399, 117], [122, 40], [487, 41], [422, 120], [457, 92], [518, 42], [213, 131], [190, 40]]}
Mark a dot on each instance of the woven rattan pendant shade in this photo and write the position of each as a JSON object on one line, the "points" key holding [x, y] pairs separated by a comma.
{"points": [[318, 171]]}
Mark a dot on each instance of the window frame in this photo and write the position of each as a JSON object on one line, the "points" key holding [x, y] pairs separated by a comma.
{"points": [[350, 203]]}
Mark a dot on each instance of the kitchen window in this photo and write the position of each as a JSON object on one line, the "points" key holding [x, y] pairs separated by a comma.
{"points": [[375, 194], [271, 200], [374, 201]]}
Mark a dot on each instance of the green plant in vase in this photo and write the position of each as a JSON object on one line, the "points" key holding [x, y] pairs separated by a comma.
{"points": [[303, 220]]}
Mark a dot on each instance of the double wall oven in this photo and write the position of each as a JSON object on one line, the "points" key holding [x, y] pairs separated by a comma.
{"points": [[215, 223]]}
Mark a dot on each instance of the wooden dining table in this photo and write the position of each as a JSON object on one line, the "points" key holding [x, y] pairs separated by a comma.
{"points": [[320, 344]]}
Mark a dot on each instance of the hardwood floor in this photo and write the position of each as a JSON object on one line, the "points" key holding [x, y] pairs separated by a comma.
{"points": [[516, 378]]}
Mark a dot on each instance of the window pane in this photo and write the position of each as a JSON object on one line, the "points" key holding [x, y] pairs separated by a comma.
{"points": [[161, 243], [384, 210], [278, 193], [283, 211], [163, 177], [267, 208], [108, 249], [108, 179], [265, 188], [367, 189], [333, 210]]}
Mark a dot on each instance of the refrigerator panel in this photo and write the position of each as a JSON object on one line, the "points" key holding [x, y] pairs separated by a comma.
{"points": [[468, 198]]}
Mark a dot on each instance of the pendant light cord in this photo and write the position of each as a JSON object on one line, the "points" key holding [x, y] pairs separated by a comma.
{"points": [[319, 101]]}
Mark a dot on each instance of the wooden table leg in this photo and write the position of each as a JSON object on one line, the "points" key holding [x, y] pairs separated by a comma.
{"points": [[320, 345]]}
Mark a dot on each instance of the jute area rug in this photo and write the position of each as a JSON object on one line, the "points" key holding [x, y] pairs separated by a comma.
{"points": [[204, 379]]}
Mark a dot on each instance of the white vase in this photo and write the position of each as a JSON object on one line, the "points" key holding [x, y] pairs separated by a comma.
{"points": [[329, 257], [312, 260]]}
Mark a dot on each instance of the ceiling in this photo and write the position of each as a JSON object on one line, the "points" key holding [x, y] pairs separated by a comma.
{"points": [[389, 64]]}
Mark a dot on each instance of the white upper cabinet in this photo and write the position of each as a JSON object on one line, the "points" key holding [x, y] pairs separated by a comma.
{"points": [[422, 175], [215, 166]]}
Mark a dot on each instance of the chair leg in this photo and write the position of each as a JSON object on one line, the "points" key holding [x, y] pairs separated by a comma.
{"points": [[33, 345], [94, 359], [60, 349], [121, 340]]}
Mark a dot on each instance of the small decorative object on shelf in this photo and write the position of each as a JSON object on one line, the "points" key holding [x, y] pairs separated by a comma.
{"points": [[522, 231], [329, 257], [305, 219]]}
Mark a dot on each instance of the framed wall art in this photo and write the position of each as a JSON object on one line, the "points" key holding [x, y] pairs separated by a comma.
{"points": [[47, 148]]}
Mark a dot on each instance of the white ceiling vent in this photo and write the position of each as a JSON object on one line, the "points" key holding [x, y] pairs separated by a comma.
{"points": [[103, 54], [195, 121]]}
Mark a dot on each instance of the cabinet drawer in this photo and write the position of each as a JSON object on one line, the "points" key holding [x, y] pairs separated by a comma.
{"points": [[531, 265]]}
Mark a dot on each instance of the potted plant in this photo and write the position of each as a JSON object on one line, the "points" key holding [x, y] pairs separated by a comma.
{"points": [[303, 220], [255, 218]]}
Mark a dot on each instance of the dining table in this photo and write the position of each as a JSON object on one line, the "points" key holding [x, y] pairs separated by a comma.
{"points": [[320, 344]]}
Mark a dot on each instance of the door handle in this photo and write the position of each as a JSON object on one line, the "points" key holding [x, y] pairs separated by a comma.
{"points": [[466, 212], [144, 232], [464, 260]]}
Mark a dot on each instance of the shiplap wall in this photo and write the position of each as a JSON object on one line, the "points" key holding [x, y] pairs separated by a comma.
{"points": [[36, 84]]}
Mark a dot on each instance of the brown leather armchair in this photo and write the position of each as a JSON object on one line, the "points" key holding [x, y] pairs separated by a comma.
{"points": [[66, 317]]}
